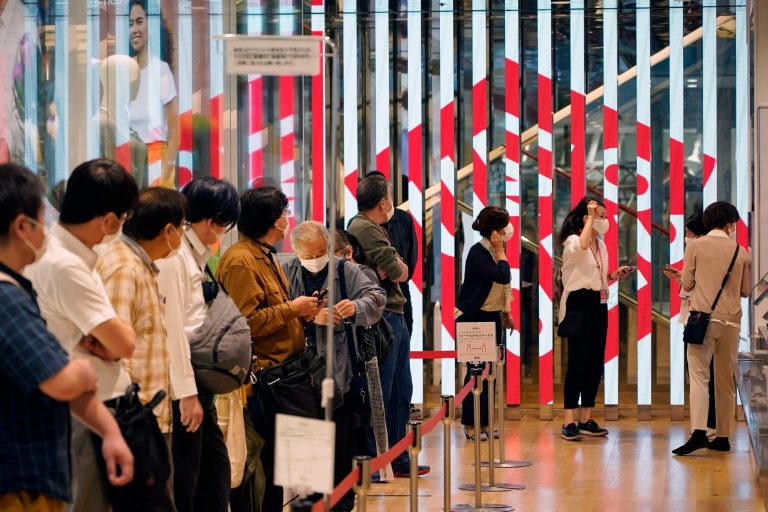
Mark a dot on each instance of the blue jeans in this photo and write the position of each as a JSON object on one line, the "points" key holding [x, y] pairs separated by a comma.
{"points": [[397, 385]]}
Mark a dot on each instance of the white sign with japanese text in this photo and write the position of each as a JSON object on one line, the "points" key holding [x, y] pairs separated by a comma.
{"points": [[475, 342], [273, 55], [304, 453]]}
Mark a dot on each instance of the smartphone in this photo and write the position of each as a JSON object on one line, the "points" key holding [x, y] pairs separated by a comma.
{"points": [[321, 294]]}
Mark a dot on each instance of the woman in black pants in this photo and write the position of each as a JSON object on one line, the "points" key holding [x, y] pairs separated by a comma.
{"points": [[584, 312], [485, 295]]}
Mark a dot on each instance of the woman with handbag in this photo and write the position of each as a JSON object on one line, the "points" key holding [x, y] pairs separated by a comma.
{"points": [[584, 312], [358, 301], [717, 270], [485, 296]]}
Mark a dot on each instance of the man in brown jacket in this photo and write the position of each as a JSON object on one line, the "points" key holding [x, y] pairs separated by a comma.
{"points": [[252, 276]]}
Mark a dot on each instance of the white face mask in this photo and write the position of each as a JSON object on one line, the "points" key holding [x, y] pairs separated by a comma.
{"points": [[732, 232], [601, 226], [285, 229], [508, 232], [174, 251], [315, 265], [38, 251], [391, 212]]}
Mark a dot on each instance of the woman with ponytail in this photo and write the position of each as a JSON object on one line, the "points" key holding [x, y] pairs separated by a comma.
{"points": [[583, 316], [485, 295]]}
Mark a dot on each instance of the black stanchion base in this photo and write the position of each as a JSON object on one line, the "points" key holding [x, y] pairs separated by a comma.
{"points": [[499, 487], [485, 507], [507, 464]]}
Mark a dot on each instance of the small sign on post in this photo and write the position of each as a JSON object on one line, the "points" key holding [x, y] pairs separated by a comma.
{"points": [[475, 342], [304, 449], [273, 55]]}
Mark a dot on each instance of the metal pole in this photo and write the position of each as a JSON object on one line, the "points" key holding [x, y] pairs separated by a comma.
{"points": [[364, 483], [450, 412], [413, 451], [491, 407]]}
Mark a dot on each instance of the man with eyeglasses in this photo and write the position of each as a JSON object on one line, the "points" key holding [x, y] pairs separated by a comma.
{"points": [[152, 231], [75, 305]]}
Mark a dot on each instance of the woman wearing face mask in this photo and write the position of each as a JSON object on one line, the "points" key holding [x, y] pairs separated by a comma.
{"points": [[200, 459], [307, 274], [584, 312], [707, 260], [485, 296]]}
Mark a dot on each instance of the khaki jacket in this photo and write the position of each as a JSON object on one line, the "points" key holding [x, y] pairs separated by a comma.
{"points": [[260, 290]]}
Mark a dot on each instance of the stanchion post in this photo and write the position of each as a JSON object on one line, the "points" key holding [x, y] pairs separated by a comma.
{"points": [[476, 390], [364, 482], [450, 412], [301, 506], [491, 407], [413, 451]]}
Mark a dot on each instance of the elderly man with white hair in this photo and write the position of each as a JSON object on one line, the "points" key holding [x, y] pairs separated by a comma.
{"points": [[307, 274]]}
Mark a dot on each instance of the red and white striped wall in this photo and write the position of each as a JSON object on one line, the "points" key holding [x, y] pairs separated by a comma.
{"points": [[416, 189], [351, 157], [676, 200], [644, 298], [742, 151], [611, 191], [286, 130], [512, 185], [709, 109], [545, 203], [447, 195], [381, 76], [216, 76], [319, 193], [93, 147], [479, 109], [256, 134], [185, 49], [578, 117]]}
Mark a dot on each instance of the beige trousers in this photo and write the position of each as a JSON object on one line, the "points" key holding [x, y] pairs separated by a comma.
{"points": [[720, 342]]}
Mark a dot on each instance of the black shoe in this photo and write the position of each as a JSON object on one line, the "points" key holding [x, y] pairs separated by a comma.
{"points": [[591, 428], [720, 444], [570, 432], [405, 471], [697, 441]]}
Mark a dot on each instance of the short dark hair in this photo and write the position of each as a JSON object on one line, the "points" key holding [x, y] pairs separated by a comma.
{"points": [[95, 188], [259, 210], [719, 214], [370, 191], [574, 221], [695, 224], [211, 198], [490, 219], [345, 238], [21, 193], [156, 208]]}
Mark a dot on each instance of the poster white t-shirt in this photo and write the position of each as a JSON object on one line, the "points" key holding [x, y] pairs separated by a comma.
{"points": [[156, 89]]}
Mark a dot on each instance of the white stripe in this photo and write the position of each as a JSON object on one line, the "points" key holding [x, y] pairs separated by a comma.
{"points": [[610, 52], [545, 140], [286, 172], [256, 141], [545, 38], [448, 371], [350, 51], [512, 123], [611, 381], [742, 145], [185, 160], [709, 91], [92, 84], [381, 75], [286, 125], [677, 362], [577, 46]]}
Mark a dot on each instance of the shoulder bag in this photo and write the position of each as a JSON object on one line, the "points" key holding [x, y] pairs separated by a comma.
{"points": [[698, 321], [360, 401]]}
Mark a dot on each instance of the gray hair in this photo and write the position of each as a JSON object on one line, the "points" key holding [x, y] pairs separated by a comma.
{"points": [[308, 231]]}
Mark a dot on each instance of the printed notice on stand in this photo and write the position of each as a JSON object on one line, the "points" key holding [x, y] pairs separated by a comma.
{"points": [[475, 342], [304, 453], [273, 55]]}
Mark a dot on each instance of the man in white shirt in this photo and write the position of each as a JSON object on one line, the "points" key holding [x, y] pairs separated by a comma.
{"points": [[201, 463], [75, 305]]}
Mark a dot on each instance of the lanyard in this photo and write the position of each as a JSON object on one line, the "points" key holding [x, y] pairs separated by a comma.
{"points": [[599, 260]]}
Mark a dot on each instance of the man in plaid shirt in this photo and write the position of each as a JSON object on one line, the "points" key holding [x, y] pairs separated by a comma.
{"points": [[152, 231]]}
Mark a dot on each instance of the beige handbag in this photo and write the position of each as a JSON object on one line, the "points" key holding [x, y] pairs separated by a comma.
{"points": [[229, 408]]}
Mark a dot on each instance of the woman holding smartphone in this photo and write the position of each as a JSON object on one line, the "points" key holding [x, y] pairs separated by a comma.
{"points": [[584, 312]]}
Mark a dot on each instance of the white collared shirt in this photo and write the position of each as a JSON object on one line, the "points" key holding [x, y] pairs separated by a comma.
{"points": [[180, 281], [582, 269], [73, 302]]}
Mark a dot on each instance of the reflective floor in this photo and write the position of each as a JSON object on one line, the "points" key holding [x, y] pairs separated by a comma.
{"points": [[630, 470]]}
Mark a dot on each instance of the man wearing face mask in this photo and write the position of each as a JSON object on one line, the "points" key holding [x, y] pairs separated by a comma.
{"points": [[250, 272], [75, 305], [152, 231], [40, 383], [376, 206], [201, 462]]}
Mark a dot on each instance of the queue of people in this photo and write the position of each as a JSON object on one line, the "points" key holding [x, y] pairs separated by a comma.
{"points": [[97, 315]]}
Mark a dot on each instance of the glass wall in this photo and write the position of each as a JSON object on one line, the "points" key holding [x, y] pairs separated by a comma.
{"points": [[143, 81]]}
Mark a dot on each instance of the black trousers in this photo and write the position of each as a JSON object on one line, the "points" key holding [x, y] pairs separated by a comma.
{"points": [[202, 474], [586, 350], [468, 405], [264, 423]]}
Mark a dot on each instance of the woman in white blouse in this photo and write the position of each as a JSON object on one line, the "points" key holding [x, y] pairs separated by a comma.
{"points": [[584, 312]]}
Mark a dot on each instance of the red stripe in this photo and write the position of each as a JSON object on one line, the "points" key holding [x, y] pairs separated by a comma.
{"points": [[578, 178], [676, 177], [446, 131], [318, 126], [449, 293], [417, 270], [123, 156], [382, 162], [709, 167], [414, 158], [433, 354], [256, 168], [215, 136], [545, 103], [546, 394]]}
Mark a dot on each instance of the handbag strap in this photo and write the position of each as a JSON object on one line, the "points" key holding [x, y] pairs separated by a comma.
{"points": [[726, 278], [348, 327]]}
